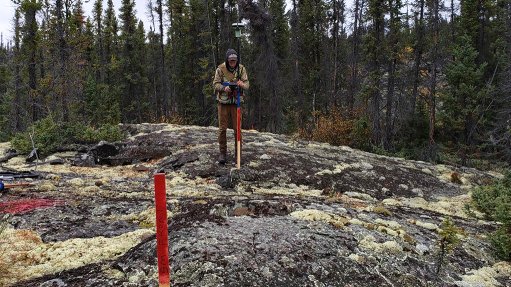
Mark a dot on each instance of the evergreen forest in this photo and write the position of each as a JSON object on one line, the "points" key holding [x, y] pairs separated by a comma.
{"points": [[422, 79]]}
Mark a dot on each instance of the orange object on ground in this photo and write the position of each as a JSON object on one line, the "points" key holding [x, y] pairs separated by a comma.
{"points": [[162, 242], [11, 185]]}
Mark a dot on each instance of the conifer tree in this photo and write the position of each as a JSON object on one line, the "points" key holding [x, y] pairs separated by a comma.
{"points": [[418, 48], [164, 107], [394, 47], [58, 39], [132, 82], [5, 98], [353, 85], [434, 21], [29, 53], [101, 87], [266, 81], [311, 29], [98, 58], [474, 20], [280, 36], [181, 59], [202, 71], [81, 42], [111, 43], [153, 62], [296, 98], [335, 62], [374, 52], [17, 107], [466, 93], [499, 130]]}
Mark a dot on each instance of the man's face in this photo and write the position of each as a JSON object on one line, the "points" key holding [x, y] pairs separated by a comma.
{"points": [[232, 62]]}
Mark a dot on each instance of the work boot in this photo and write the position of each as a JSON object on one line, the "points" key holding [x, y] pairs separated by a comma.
{"points": [[221, 158]]}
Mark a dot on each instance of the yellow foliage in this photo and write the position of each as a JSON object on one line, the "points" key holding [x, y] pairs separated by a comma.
{"points": [[334, 127]]}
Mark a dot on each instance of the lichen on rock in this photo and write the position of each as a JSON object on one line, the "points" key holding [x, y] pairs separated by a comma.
{"points": [[296, 213]]}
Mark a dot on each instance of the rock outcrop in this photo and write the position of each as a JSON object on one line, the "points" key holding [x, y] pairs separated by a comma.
{"points": [[296, 214]]}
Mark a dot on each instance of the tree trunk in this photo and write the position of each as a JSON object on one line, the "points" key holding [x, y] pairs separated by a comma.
{"points": [[297, 84], [377, 16], [335, 52], [62, 53], [418, 49], [16, 111], [31, 43], [353, 84], [163, 76], [432, 95]]}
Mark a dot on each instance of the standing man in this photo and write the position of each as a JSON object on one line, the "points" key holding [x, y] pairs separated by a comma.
{"points": [[234, 73]]}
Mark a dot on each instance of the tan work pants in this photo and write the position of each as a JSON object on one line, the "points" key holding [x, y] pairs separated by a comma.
{"points": [[226, 118]]}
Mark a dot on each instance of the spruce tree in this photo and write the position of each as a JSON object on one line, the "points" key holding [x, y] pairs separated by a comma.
{"points": [[99, 57], [130, 65], [111, 43], [29, 46], [374, 53], [18, 112], [394, 49], [182, 59], [280, 36], [202, 71], [311, 38], [5, 98], [463, 103]]}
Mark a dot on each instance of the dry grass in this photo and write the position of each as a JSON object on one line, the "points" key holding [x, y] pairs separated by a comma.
{"points": [[456, 178], [174, 119]]}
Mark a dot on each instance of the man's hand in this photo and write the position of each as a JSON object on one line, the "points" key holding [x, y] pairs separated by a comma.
{"points": [[227, 89], [240, 84]]}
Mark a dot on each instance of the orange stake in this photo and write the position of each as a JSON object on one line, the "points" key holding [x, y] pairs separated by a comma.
{"points": [[11, 185], [162, 241]]}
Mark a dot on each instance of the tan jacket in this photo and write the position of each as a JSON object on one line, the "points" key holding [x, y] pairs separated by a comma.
{"points": [[222, 74]]}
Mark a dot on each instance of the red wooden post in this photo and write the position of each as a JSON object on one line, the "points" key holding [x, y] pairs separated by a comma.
{"points": [[162, 241], [238, 133]]}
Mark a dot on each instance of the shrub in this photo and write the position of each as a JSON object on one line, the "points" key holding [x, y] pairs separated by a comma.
{"points": [[495, 201], [48, 136], [338, 128], [44, 133], [447, 241]]}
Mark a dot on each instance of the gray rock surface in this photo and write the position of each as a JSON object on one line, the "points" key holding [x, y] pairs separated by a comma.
{"points": [[296, 214]]}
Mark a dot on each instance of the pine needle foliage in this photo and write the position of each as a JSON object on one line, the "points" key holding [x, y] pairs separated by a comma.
{"points": [[495, 201], [447, 241], [49, 136]]}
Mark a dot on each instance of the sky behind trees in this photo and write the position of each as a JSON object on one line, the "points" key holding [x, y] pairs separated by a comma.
{"points": [[7, 14]]}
